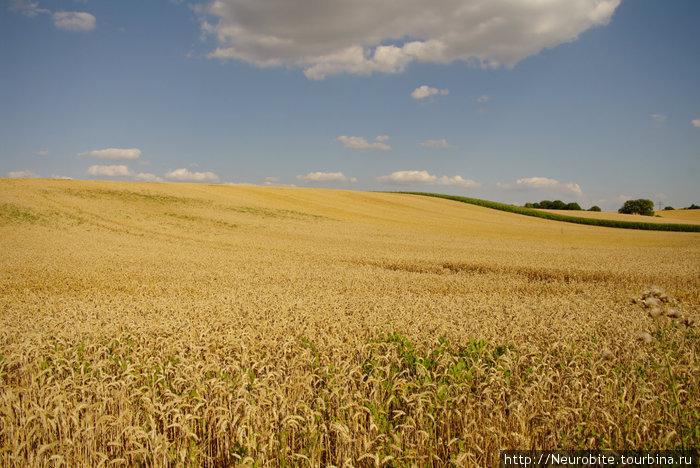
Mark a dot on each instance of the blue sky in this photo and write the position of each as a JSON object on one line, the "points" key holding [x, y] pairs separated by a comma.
{"points": [[592, 101]]}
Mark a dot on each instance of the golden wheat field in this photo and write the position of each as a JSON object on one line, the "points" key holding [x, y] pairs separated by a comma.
{"points": [[211, 325], [674, 216], [680, 215]]}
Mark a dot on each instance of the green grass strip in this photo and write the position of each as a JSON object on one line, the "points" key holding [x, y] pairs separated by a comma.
{"points": [[567, 219]]}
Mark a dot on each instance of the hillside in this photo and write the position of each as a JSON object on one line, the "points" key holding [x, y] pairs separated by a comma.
{"points": [[185, 323], [680, 215], [684, 216]]}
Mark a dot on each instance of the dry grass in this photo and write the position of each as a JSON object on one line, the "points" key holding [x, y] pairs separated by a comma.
{"points": [[193, 325]]}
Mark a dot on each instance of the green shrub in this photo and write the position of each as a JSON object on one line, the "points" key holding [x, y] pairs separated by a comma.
{"points": [[594, 208]]}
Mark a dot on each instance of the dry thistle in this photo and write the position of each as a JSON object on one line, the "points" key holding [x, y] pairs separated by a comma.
{"points": [[644, 337]]}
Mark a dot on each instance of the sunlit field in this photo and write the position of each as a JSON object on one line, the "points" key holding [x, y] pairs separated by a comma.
{"points": [[211, 325], [671, 216], [680, 215]]}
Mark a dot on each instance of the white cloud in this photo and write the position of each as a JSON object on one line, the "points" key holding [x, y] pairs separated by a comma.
{"points": [[41, 153], [78, 21], [327, 38], [147, 177], [185, 175], [425, 91], [325, 177], [623, 198], [483, 99], [359, 143], [109, 171], [544, 184], [277, 182], [442, 143], [114, 154], [660, 119], [60, 177], [696, 123], [22, 174], [425, 178], [29, 9]]}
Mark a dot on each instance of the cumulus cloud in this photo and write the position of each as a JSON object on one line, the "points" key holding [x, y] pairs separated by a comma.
{"points": [[325, 177], [483, 99], [41, 153], [109, 171], [425, 91], [114, 154], [60, 177], [442, 143], [78, 21], [147, 177], [695, 123], [359, 143], [185, 175], [425, 178], [544, 184], [27, 174], [327, 38], [660, 119]]}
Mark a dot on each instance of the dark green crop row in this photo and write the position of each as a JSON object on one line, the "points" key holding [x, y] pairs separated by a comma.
{"points": [[568, 219]]}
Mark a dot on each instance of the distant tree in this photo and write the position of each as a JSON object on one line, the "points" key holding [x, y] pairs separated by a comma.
{"points": [[693, 207], [669, 208], [594, 208], [640, 206], [554, 205]]}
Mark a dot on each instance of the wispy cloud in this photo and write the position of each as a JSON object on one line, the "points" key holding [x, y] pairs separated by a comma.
{"points": [[425, 178], [426, 91], [114, 154], [312, 177], [360, 143], [483, 99], [27, 174], [41, 153], [442, 143], [147, 177], [29, 9], [544, 184], [660, 119], [109, 171], [695, 123], [76, 21], [185, 175]]}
